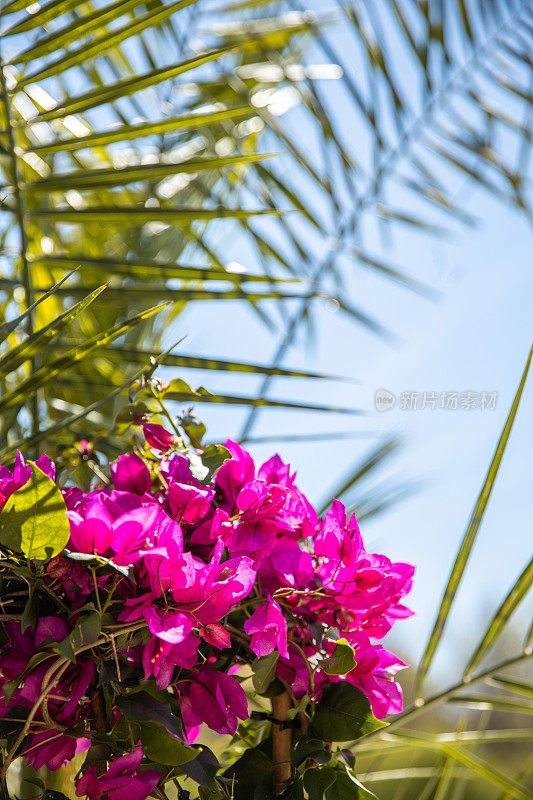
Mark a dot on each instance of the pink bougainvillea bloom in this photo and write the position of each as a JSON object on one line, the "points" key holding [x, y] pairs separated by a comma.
{"points": [[158, 437], [130, 474], [215, 634], [213, 527], [259, 505], [298, 512], [233, 474], [268, 628], [164, 561], [159, 658], [122, 781], [338, 540], [171, 627], [91, 532], [132, 532], [286, 565], [50, 629], [189, 503], [214, 698], [208, 591], [48, 749], [194, 553], [171, 644]]}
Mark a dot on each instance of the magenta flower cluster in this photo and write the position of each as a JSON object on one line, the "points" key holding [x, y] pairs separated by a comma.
{"points": [[198, 568]]}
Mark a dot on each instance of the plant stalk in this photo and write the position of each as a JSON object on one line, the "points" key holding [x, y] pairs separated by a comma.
{"points": [[281, 741]]}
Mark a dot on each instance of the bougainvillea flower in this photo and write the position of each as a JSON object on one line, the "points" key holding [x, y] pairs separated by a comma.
{"points": [[92, 532], [233, 474], [168, 626], [214, 698], [199, 558], [50, 629], [132, 532], [215, 634], [158, 437], [208, 591], [259, 520], [298, 513], [189, 503], [214, 527], [338, 540], [160, 658], [286, 565], [131, 474], [268, 628], [122, 781], [164, 560], [48, 748]]}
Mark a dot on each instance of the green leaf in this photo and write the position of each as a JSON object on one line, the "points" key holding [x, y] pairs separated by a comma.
{"points": [[122, 88], [203, 768], [470, 536], [264, 671], [86, 632], [34, 520], [128, 132], [525, 689], [347, 787], [142, 707], [60, 365], [80, 27], [344, 714], [124, 728], [292, 713], [40, 339], [310, 748], [213, 457], [505, 610], [317, 780], [30, 614], [142, 172], [162, 747], [8, 327], [147, 269], [105, 40], [294, 791], [341, 661], [195, 430], [252, 770]]}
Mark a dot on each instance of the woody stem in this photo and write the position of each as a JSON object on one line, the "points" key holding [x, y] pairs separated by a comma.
{"points": [[281, 741], [98, 712]]}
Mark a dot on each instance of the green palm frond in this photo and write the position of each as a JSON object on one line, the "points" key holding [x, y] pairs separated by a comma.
{"points": [[80, 193], [119, 152]]}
